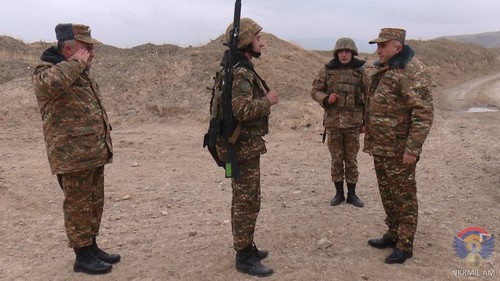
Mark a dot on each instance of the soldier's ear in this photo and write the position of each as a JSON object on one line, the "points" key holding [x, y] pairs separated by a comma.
{"points": [[67, 51], [399, 48]]}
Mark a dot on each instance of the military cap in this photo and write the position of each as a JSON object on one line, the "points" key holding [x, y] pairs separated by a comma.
{"points": [[69, 31], [388, 34]]}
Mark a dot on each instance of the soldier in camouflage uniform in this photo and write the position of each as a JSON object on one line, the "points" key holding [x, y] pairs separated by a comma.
{"points": [[339, 89], [399, 114], [251, 103], [77, 137]]}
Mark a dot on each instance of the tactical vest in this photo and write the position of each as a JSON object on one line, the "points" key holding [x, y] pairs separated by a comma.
{"points": [[346, 83]]}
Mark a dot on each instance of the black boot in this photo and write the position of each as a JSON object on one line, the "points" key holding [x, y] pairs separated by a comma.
{"points": [[398, 256], [382, 243], [339, 196], [89, 263], [109, 258], [260, 253], [247, 262], [351, 196]]}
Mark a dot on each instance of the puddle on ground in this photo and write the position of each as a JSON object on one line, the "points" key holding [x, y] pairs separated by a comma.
{"points": [[482, 109]]}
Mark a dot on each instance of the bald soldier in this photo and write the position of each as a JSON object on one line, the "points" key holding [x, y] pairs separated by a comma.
{"points": [[399, 115], [77, 138]]}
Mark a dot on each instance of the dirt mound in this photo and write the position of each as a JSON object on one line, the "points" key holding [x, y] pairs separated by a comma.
{"points": [[16, 58], [452, 62], [154, 83]]}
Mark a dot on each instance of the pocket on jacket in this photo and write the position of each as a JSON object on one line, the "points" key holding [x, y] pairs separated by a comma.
{"points": [[383, 132], [79, 144]]}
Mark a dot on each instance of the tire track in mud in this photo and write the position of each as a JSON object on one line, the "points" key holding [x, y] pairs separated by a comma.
{"points": [[484, 91], [489, 92]]}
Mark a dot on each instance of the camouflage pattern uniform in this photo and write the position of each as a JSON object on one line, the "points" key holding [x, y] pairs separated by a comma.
{"points": [[344, 118], [399, 116], [77, 138], [83, 204], [252, 109]]}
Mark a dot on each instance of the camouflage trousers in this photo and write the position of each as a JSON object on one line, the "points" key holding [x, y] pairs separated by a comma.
{"points": [[83, 204], [398, 191], [344, 146], [245, 206]]}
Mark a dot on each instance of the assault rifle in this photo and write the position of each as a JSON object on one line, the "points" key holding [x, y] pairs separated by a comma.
{"points": [[226, 126]]}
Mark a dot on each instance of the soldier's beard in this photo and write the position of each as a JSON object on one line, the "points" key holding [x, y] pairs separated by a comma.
{"points": [[255, 54]]}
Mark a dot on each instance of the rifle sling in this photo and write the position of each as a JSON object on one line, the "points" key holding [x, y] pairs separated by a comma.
{"points": [[236, 133]]}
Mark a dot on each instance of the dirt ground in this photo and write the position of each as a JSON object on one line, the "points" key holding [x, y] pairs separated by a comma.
{"points": [[167, 209]]}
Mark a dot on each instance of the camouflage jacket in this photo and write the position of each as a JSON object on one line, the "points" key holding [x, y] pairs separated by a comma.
{"points": [[251, 108], [75, 124], [399, 109], [347, 83]]}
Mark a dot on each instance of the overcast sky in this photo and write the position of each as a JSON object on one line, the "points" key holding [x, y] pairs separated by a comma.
{"points": [[308, 23]]}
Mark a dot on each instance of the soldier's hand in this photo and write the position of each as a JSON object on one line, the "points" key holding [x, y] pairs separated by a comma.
{"points": [[362, 129], [409, 158], [332, 98], [272, 96], [82, 54]]}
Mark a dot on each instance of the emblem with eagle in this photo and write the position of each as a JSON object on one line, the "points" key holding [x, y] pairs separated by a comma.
{"points": [[473, 245]]}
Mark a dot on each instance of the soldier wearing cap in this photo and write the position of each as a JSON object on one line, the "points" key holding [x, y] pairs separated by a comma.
{"points": [[399, 115], [251, 102], [340, 91], [77, 138]]}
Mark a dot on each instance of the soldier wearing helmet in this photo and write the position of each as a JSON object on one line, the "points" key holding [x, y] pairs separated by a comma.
{"points": [[251, 103], [340, 91], [345, 44], [248, 30]]}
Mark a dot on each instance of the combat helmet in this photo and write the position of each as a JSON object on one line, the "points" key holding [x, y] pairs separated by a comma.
{"points": [[248, 29], [345, 44]]}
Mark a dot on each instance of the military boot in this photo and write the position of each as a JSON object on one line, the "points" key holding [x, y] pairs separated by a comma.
{"points": [[351, 196], [339, 196], [398, 256], [382, 243], [109, 258], [247, 262], [88, 262], [260, 253]]}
